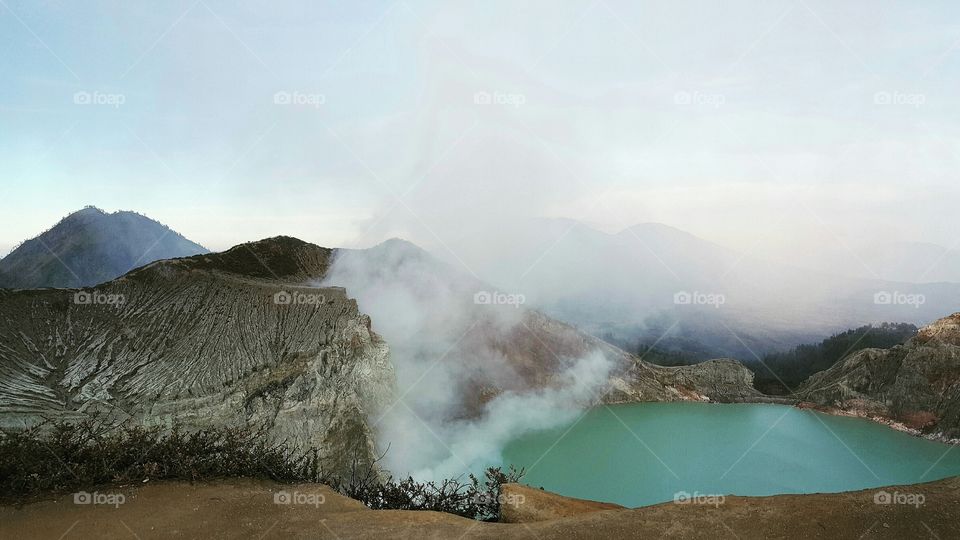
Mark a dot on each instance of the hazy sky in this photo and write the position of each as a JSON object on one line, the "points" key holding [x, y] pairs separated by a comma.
{"points": [[760, 124]]}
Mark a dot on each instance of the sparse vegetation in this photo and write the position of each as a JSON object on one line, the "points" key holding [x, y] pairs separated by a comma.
{"points": [[63, 457], [475, 498]]}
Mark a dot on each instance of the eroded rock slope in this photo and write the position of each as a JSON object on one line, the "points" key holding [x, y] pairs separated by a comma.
{"points": [[213, 340], [916, 384]]}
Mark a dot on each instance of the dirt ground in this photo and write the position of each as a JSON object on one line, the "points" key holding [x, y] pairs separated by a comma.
{"points": [[251, 509]]}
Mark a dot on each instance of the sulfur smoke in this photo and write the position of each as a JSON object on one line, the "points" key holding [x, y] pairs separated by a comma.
{"points": [[440, 342]]}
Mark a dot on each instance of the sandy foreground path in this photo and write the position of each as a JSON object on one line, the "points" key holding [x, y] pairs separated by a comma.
{"points": [[255, 509]]}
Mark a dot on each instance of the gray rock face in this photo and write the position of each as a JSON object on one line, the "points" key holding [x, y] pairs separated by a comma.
{"points": [[201, 342], [722, 381], [916, 384]]}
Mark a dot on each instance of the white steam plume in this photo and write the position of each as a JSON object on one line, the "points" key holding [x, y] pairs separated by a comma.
{"points": [[441, 343]]}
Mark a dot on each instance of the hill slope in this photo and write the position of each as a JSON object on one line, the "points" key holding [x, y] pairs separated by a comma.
{"points": [[89, 247], [917, 383]]}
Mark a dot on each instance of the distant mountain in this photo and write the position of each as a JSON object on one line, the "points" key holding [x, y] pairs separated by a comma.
{"points": [[654, 283], [91, 246]]}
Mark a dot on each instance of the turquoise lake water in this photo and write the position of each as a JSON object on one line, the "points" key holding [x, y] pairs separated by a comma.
{"points": [[641, 454]]}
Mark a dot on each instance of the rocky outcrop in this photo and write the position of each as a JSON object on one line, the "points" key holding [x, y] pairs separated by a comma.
{"points": [[227, 339], [723, 381], [915, 385]]}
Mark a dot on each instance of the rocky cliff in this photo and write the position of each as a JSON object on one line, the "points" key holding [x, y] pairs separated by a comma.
{"points": [[722, 380], [916, 384], [211, 340]]}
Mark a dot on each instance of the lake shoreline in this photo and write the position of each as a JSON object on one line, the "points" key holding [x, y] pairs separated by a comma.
{"points": [[832, 411], [879, 419], [849, 413]]}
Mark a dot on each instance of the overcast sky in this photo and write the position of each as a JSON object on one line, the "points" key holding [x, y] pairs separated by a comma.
{"points": [[760, 125]]}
